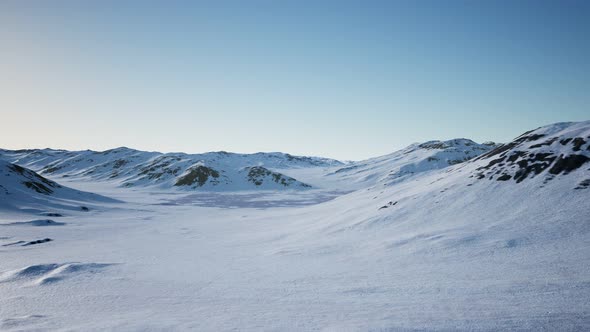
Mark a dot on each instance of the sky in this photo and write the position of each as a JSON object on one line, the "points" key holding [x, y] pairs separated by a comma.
{"points": [[342, 79]]}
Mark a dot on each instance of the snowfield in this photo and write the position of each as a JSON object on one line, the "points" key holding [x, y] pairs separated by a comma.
{"points": [[441, 236]]}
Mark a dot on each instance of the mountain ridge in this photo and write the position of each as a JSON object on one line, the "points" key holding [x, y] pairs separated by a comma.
{"points": [[226, 171], [132, 168]]}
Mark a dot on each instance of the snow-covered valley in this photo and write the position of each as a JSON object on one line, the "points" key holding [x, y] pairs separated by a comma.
{"points": [[440, 236]]}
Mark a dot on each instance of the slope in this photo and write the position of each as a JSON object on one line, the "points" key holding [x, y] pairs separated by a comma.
{"points": [[23, 189]]}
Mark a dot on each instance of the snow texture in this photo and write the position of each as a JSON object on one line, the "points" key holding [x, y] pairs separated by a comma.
{"points": [[417, 240]]}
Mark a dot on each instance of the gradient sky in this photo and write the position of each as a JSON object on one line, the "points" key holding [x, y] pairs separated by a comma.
{"points": [[342, 79]]}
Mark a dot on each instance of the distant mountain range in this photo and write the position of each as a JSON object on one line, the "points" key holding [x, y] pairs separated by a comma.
{"points": [[216, 171], [548, 152]]}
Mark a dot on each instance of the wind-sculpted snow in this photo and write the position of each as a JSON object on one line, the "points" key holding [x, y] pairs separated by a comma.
{"points": [[37, 223], [44, 274]]}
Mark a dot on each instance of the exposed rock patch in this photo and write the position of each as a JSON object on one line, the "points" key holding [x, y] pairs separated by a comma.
{"points": [[533, 154], [258, 175], [197, 175], [585, 184]]}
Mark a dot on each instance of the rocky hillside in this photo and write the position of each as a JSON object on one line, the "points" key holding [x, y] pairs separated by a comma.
{"points": [[209, 171], [548, 152]]}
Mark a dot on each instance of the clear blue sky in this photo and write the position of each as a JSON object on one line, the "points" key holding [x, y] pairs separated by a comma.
{"points": [[342, 79]]}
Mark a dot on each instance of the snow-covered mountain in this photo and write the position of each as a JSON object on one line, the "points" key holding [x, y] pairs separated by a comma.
{"points": [[209, 171], [554, 159], [414, 159], [21, 188], [223, 171], [559, 148]]}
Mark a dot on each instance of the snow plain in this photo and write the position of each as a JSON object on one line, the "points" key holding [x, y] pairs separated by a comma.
{"points": [[438, 251]]}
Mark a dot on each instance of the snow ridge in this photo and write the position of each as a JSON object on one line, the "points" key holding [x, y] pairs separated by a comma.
{"points": [[414, 159]]}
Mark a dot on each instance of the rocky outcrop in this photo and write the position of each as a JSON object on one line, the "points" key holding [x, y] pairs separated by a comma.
{"points": [[548, 151]]}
